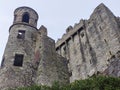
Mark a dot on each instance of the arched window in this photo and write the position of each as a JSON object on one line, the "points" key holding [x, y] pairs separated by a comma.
{"points": [[25, 18]]}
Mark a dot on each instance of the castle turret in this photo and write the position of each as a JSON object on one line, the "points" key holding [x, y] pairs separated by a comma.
{"points": [[25, 15], [17, 64]]}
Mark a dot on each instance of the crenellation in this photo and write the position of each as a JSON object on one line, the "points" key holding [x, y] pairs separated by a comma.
{"points": [[66, 36], [69, 29], [43, 30], [92, 41]]}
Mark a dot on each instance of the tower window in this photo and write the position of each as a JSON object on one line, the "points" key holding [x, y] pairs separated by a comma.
{"points": [[18, 60], [21, 34], [25, 18]]}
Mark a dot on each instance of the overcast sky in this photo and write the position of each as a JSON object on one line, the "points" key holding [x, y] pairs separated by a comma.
{"points": [[56, 15]]}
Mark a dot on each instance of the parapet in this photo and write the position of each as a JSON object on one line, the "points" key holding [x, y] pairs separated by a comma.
{"points": [[70, 31], [43, 30]]}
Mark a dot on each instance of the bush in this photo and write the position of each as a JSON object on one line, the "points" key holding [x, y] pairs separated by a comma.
{"points": [[93, 83]]}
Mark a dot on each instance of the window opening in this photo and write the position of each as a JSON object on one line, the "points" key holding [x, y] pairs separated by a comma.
{"points": [[90, 61], [18, 60], [65, 51], [25, 18], [105, 41], [110, 52], [100, 28], [90, 48], [21, 34], [80, 29]]}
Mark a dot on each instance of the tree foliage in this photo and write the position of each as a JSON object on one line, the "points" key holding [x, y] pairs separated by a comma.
{"points": [[93, 83]]}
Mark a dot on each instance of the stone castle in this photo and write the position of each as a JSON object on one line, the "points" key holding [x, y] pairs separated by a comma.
{"points": [[89, 48]]}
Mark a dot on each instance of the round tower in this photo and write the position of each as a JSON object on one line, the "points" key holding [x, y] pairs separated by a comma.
{"points": [[17, 67]]}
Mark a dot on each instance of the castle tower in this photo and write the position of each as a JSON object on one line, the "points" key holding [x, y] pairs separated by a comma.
{"points": [[30, 57], [18, 59]]}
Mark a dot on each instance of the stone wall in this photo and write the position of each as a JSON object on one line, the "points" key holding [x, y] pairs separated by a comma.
{"points": [[113, 68], [62, 70], [30, 57], [90, 47], [90, 43], [17, 76], [51, 66], [103, 34]]}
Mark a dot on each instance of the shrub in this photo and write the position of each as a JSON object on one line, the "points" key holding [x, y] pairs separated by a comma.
{"points": [[93, 83]]}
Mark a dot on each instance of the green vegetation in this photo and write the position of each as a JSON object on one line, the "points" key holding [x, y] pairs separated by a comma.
{"points": [[93, 83]]}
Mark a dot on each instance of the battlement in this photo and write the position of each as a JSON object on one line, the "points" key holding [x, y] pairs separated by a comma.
{"points": [[90, 43], [70, 31]]}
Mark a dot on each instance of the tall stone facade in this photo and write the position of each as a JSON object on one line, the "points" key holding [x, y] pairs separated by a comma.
{"points": [[92, 46], [31, 57]]}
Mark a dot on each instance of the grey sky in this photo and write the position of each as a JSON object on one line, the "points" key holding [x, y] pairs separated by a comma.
{"points": [[56, 15]]}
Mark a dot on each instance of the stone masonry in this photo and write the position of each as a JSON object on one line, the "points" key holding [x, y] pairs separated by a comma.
{"points": [[89, 48], [30, 57], [90, 45]]}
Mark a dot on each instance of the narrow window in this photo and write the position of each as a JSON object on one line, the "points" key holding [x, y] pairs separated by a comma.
{"points": [[90, 61], [110, 53], [90, 48], [25, 18], [105, 41], [18, 60], [64, 48], [80, 29], [21, 34], [100, 28]]}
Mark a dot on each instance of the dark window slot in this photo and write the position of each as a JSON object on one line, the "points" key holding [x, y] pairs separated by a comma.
{"points": [[25, 18], [18, 60], [21, 34]]}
